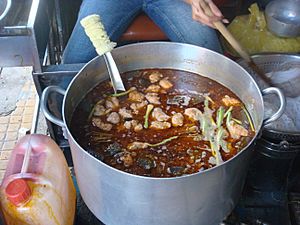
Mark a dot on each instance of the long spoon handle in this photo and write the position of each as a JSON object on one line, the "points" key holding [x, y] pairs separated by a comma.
{"points": [[236, 45]]}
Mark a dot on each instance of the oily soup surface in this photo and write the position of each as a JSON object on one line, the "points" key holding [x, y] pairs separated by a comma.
{"points": [[168, 123]]}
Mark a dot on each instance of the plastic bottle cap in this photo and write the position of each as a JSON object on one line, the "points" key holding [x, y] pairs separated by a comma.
{"points": [[17, 191]]}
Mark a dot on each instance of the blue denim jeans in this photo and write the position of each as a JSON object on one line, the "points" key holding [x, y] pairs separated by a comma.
{"points": [[174, 17]]}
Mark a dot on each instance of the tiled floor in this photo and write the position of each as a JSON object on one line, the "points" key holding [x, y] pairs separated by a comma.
{"points": [[19, 120]]}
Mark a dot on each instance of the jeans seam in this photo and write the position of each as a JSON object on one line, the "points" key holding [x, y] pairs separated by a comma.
{"points": [[116, 28], [170, 24]]}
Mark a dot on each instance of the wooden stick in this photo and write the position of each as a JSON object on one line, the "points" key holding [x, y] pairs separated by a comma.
{"points": [[236, 45]]}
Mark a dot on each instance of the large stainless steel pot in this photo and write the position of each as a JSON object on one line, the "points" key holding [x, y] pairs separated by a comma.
{"points": [[119, 198]]}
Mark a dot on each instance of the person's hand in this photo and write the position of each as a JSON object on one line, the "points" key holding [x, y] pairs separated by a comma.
{"points": [[206, 12]]}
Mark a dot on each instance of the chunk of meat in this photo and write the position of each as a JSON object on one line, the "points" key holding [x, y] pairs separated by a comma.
{"points": [[153, 88], [236, 130], [125, 113], [127, 159], [160, 125], [192, 129], [136, 96], [130, 124], [138, 127], [193, 113], [229, 101], [137, 106], [153, 98], [137, 145], [113, 118], [99, 110], [177, 119], [112, 103], [155, 76], [159, 114], [100, 124], [165, 83]]}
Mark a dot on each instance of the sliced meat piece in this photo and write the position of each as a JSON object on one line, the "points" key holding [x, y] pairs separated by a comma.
{"points": [[155, 76], [113, 118], [99, 110], [130, 124], [193, 113], [153, 88], [229, 101], [137, 145], [138, 127], [112, 103], [160, 125], [177, 119], [159, 114], [153, 98], [127, 159], [125, 113], [100, 124], [136, 96], [236, 130], [192, 129], [137, 106], [165, 83]]}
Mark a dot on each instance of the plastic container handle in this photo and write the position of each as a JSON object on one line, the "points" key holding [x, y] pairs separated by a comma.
{"points": [[44, 106], [280, 111]]}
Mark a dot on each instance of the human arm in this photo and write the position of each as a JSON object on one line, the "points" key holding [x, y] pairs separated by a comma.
{"points": [[199, 13]]}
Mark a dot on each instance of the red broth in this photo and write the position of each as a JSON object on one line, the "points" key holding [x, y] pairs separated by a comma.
{"points": [[194, 123]]}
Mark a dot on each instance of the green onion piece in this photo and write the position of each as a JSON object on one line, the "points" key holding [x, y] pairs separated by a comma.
{"points": [[148, 111], [220, 116], [162, 142], [228, 111], [123, 93], [228, 120], [206, 103], [209, 99], [237, 121], [93, 109], [249, 118]]}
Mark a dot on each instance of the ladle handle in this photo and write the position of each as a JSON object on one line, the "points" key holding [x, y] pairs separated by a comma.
{"points": [[44, 104]]}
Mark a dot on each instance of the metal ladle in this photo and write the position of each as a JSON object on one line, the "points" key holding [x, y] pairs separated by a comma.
{"points": [[94, 29]]}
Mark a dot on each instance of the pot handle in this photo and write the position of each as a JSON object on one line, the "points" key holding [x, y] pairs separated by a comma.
{"points": [[44, 107], [278, 114]]}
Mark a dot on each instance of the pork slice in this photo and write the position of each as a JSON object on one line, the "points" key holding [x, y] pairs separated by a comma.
{"points": [[177, 119], [155, 76], [193, 113], [165, 83], [159, 114], [136, 96], [160, 125], [153, 98], [100, 124], [113, 118]]}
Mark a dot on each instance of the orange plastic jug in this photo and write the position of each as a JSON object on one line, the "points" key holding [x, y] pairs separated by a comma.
{"points": [[37, 187]]}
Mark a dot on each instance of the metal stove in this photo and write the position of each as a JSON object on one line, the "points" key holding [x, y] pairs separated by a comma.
{"points": [[271, 194]]}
